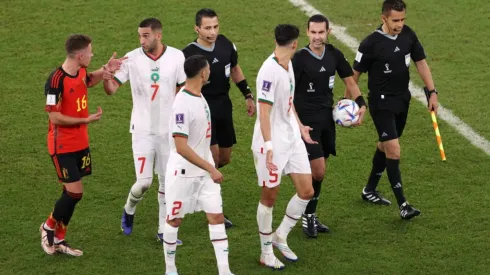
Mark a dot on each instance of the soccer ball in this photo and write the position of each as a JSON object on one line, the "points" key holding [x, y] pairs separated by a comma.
{"points": [[344, 113]]}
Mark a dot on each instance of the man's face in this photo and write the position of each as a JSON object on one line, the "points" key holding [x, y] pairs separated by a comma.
{"points": [[85, 56], [209, 29], [149, 39], [317, 33], [395, 21]]}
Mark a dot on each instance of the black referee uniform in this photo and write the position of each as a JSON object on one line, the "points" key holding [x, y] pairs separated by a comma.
{"points": [[386, 59], [313, 101], [222, 57]]}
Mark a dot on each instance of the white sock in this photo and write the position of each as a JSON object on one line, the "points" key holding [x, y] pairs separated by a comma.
{"points": [[296, 207], [264, 220], [136, 194], [217, 234], [162, 205], [170, 246]]}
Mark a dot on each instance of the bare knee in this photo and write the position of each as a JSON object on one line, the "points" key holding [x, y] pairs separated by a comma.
{"points": [[224, 160], [214, 218], [306, 193], [175, 222], [74, 187], [392, 149], [318, 173], [268, 196]]}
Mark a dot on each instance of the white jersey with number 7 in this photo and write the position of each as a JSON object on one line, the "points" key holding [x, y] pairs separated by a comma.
{"points": [[153, 83]]}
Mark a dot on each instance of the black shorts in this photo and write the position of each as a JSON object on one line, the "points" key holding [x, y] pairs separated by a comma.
{"points": [[222, 129], [324, 133], [72, 166], [389, 124]]}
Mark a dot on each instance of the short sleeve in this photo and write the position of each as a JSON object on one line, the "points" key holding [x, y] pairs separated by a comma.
{"points": [[364, 57], [181, 77], [53, 90], [343, 67], [234, 55], [122, 75], [180, 120], [265, 86], [417, 52]]}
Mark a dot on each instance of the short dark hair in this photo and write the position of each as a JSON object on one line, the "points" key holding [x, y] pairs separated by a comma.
{"points": [[285, 34], [204, 13], [152, 23], [318, 18], [76, 42], [389, 5], [194, 64]]}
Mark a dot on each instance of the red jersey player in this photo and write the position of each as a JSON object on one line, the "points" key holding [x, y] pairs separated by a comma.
{"points": [[68, 142]]}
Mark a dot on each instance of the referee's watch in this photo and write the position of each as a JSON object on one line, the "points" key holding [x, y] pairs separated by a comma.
{"points": [[249, 96], [432, 92]]}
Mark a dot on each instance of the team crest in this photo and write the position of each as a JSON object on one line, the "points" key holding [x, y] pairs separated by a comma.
{"points": [[179, 119]]}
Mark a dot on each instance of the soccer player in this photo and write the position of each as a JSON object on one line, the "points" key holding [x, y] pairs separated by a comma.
{"points": [[278, 148], [68, 142], [156, 72], [314, 69], [192, 180], [385, 55], [223, 57]]}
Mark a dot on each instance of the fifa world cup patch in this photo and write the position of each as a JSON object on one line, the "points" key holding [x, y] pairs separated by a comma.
{"points": [[266, 85], [179, 118]]}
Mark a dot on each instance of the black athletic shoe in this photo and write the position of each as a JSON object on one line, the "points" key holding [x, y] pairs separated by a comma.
{"points": [[407, 211], [309, 226], [320, 227], [228, 223], [374, 197]]}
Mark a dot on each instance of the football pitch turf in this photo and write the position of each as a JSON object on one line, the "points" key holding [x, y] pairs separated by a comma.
{"points": [[450, 237]]}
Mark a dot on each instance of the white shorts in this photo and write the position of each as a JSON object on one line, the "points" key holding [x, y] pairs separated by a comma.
{"points": [[186, 195], [292, 161], [150, 151]]}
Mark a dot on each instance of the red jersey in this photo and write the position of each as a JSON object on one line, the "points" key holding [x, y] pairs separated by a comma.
{"points": [[68, 95]]}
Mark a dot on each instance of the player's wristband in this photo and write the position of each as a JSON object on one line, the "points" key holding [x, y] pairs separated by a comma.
{"points": [[243, 86], [360, 101], [268, 145]]}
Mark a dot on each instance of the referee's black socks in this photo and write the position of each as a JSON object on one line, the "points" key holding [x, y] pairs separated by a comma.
{"points": [[395, 177], [311, 207], [379, 165]]}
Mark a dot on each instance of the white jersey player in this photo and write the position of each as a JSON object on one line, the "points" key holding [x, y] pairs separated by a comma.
{"points": [[192, 182], [155, 72], [278, 148]]}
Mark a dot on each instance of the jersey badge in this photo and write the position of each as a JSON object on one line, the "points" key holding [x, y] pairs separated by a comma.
{"points": [[179, 119], [266, 85], [388, 71]]}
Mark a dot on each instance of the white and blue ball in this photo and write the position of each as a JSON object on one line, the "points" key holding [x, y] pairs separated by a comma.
{"points": [[344, 112]]}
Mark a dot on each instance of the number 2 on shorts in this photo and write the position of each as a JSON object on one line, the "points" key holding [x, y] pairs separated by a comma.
{"points": [[176, 208]]}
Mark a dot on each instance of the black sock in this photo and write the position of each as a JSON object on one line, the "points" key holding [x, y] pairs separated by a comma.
{"points": [[311, 207], [379, 165], [65, 206], [395, 177]]}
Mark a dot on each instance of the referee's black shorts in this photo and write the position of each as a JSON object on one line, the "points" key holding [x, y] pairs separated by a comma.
{"points": [[222, 128], [389, 117], [324, 133]]}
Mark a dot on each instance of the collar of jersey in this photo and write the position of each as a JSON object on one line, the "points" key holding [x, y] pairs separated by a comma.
{"points": [[319, 57], [190, 93], [158, 57], [277, 60], [204, 48], [380, 31]]}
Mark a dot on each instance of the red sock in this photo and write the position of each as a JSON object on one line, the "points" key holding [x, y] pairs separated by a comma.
{"points": [[50, 222], [60, 232]]}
